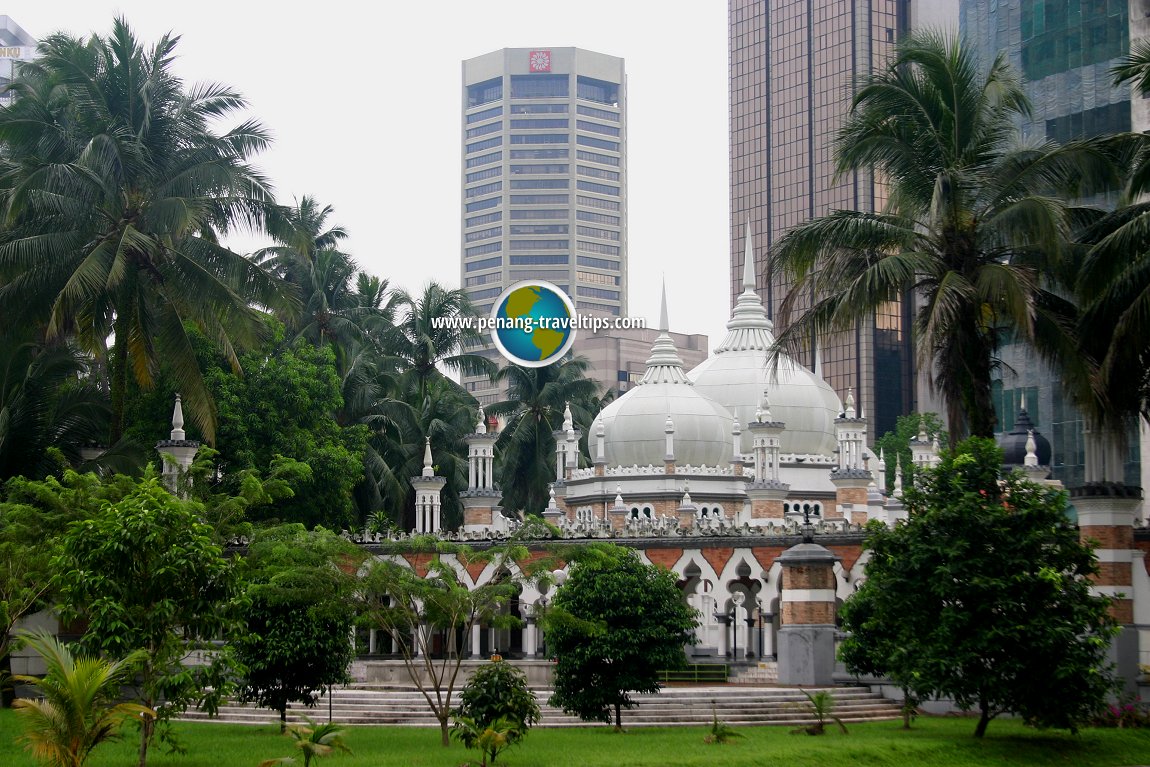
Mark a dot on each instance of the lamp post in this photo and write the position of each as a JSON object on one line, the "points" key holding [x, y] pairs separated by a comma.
{"points": [[540, 650], [737, 600], [759, 606]]}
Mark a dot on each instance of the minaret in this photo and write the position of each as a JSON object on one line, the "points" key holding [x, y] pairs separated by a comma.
{"points": [[737, 449], [600, 447], [177, 452], [480, 499], [850, 478], [428, 488], [767, 492]]}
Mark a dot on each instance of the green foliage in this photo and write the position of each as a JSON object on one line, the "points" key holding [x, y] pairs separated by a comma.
{"points": [[284, 406], [820, 706], [491, 739], [79, 708], [313, 741], [146, 573], [612, 626], [984, 597], [300, 615], [720, 732], [498, 691], [895, 445]]}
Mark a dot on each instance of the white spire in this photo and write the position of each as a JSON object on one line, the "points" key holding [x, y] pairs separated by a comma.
{"points": [[428, 468], [686, 493], [481, 423], [619, 497], [749, 260], [749, 326], [664, 323], [766, 406], [568, 423], [178, 432], [850, 411], [664, 364]]}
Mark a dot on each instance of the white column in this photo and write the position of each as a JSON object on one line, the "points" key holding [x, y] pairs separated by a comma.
{"points": [[476, 639]]}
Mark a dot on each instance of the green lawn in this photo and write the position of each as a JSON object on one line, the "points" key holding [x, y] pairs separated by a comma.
{"points": [[934, 741]]}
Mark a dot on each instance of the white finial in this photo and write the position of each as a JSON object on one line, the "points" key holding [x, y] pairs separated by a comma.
{"points": [[664, 323], [178, 432], [481, 423], [1031, 449], [898, 476], [818, 371], [736, 428], [934, 446], [850, 410], [428, 469], [669, 427], [749, 260], [686, 493], [551, 497], [618, 496], [600, 430], [1022, 406], [922, 429], [568, 422], [766, 405]]}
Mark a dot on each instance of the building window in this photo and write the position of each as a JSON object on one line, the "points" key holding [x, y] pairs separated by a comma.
{"points": [[479, 295], [602, 234], [597, 263], [598, 143], [538, 213], [483, 159], [540, 244], [483, 279], [591, 186], [594, 278], [539, 86], [541, 168], [486, 173], [486, 143], [537, 123], [541, 183], [587, 170], [605, 159], [540, 199], [606, 130], [486, 114], [478, 191], [479, 250], [610, 295], [485, 92], [483, 234], [539, 154], [598, 247], [599, 114], [539, 274], [596, 218], [486, 218], [590, 89], [537, 260], [595, 202], [539, 138], [486, 263], [539, 229], [538, 109], [596, 307], [483, 130], [471, 207]]}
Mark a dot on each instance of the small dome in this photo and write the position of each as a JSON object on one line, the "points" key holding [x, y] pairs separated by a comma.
{"points": [[636, 423], [739, 371], [1013, 442]]}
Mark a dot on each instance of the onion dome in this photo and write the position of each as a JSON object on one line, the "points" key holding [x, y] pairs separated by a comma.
{"points": [[740, 369], [636, 424], [1013, 442]]}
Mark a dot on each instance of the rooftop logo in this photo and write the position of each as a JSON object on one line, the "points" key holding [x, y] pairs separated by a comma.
{"points": [[533, 323]]}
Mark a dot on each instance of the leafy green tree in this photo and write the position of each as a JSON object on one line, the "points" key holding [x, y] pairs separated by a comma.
{"points": [[536, 401], [285, 405], [972, 223], [419, 608], [613, 626], [79, 708], [115, 191], [984, 597], [895, 445], [146, 574], [496, 691], [300, 616]]}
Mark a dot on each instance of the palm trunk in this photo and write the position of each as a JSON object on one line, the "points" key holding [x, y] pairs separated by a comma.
{"points": [[119, 386]]}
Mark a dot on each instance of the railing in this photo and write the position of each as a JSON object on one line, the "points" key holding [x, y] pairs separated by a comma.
{"points": [[698, 673]]}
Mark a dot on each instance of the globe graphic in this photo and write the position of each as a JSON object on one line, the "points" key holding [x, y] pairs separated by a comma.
{"points": [[541, 304]]}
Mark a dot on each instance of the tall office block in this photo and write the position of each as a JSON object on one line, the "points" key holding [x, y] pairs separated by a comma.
{"points": [[16, 45], [1064, 50], [544, 135], [793, 64]]}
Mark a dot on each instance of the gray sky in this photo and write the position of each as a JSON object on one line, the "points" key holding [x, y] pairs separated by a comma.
{"points": [[363, 100]]}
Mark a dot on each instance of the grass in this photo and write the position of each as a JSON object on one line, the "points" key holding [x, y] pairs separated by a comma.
{"points": [[933, 741]]}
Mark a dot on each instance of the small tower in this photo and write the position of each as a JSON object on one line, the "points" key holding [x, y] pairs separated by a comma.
{"points": [[428, 488], [737, 449], [600, 447], [768, 491], [687, 508], [851, 479], [922, 448], [480, 498], [669, 458], [566, 446], [178, 451]]}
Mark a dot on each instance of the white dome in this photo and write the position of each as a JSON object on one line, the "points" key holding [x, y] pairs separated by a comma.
{"points": [[739, 371], [635, 424]]}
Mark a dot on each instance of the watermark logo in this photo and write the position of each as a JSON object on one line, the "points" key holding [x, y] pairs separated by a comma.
{"points": [[532, 323]]}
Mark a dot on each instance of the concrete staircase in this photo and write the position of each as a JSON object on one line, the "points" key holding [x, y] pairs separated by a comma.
{"points": [[761, 673], [694, 705]]}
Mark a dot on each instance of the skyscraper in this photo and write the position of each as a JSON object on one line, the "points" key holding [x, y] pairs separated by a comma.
{"points": [[15, 45], [1064, 50], [792, 67], [544, 175]]}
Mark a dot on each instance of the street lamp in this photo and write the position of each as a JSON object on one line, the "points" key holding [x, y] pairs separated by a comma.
{"points": [[759, 606]]}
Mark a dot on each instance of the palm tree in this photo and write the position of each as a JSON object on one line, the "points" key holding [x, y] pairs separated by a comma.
{"points": [[537, 399], [314, 741], [79, 710], [972, 222], [115, 191]]}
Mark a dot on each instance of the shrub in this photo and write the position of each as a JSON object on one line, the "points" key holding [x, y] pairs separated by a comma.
{"points": [[496, 691]]}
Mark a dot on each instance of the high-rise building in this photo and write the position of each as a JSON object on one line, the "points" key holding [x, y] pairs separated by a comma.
{"points": [[793, 65], [1064, 51], [544, 136], [16, 45]]}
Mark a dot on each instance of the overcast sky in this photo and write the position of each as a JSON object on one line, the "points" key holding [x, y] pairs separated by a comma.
{"points": [[363, 101]]}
